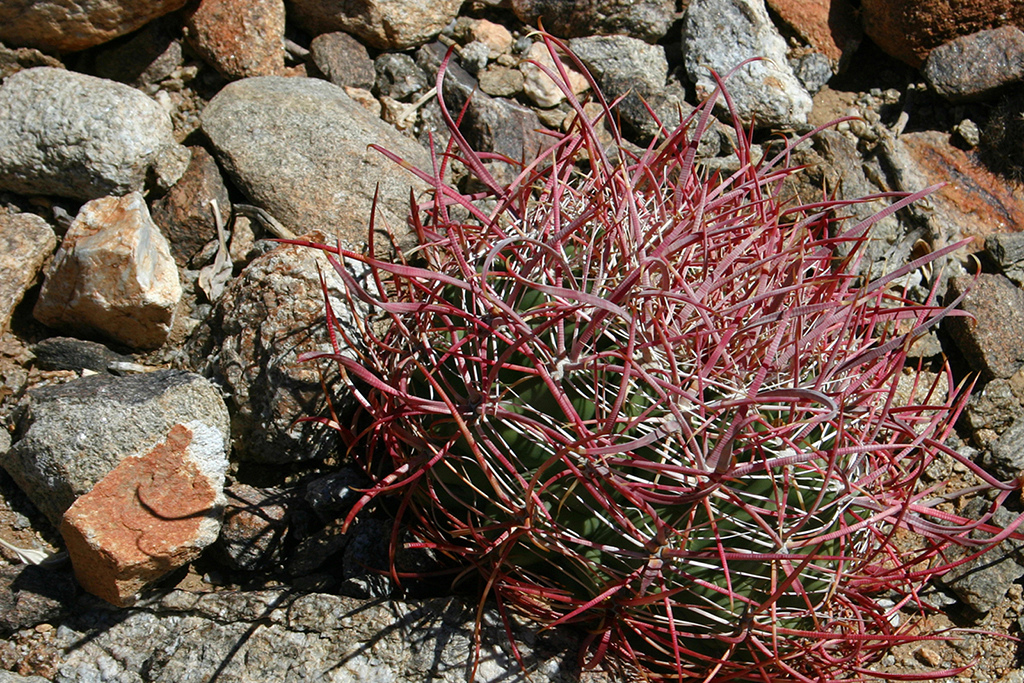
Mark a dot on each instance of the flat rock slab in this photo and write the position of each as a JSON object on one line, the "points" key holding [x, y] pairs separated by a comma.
{"points": [[150, 515], [298, 148], [70, 436], [78, 136]]}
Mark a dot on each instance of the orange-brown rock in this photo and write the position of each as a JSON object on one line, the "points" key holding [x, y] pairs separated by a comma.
{"points": [[239, 38], [150, 515], [70, 25], [829, 26], [975, 202], [910, 29]]}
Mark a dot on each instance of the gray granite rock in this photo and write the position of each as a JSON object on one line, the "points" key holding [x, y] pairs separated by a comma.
{"points": [[975, 66], [648, 20], [399, 77], [268, 316], [312, 638], [73, 135], [26, 242], [721, 34], [982, 583], [1007, 249], [993, 342], [1005, 457], [70, 436], [298, 148]]}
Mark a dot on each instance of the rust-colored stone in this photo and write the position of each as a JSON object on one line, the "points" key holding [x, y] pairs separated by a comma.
{"points": [[975, 202], [148, 516], [829, 26], [239, 38], [910, 29]]}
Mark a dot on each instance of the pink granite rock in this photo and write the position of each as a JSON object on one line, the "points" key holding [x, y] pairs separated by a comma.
{"points": [[113, 274], [829, 26], [70, 25], [239, 38], [150, 515]]}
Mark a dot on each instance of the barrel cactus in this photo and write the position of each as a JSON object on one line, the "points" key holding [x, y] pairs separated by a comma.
{"points": [[658, 403]]}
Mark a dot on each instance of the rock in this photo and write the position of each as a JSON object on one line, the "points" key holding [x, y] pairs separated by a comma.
{"points": [[26, 242], [71, 435], [78, 136], [255, 522], [239, 38], [314, 550], [185, 215], [538, 86], [975, 66], [721, 34], [501, 81], [490, 124], [14, 60], [364, 561], [495, 36], [334, 494], [382, 24], [398, 77], [1005, 457], [297, 147], [1007, 249], [993, 408], [813, 70], [344, 60], [831, 27], [150, 56], [149, 515], [310, 638], [974, 201], [982, 583], [71, 25], [910, 29], [993, 342], [10, 677], [113, 275], [269, 315], [67, 353], [630, 68], [648, 20], [474, 57], [33, 594]]}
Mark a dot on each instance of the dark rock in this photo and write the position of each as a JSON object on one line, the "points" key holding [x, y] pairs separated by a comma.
{"points": [[32, 594], [254, 525], [399, 77], [343, 59], [333, 495], [68, 353], [14, 60], [313, 551], [185, 214], [490, 124], [150, 56], [992, 342], [974, 67], [1005, 458], [648, 20], [364, 563]]}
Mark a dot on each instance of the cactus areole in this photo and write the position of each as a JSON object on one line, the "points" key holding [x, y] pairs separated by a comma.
{"points": [[658, 403]]}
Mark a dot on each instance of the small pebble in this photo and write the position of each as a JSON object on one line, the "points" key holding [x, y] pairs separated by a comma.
{"points": [[968, 132]]}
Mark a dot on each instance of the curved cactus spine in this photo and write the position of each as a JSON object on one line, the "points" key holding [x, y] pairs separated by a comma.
{"points": [[659, 404]]}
